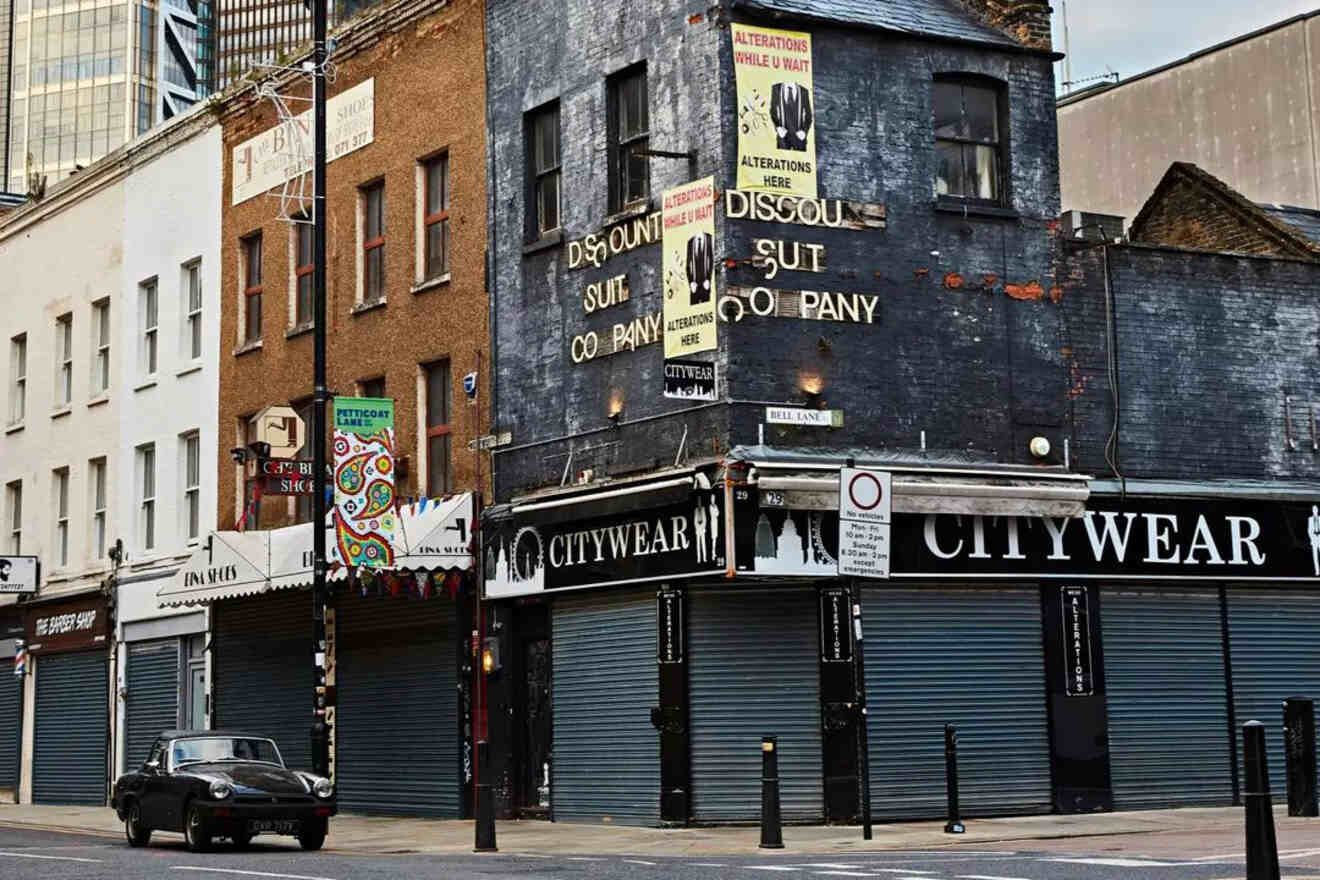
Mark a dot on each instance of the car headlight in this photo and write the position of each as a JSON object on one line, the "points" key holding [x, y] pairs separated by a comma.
{"points": [[323, 788], [221, 790]]}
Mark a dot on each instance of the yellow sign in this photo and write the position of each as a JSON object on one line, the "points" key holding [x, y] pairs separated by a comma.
{"points": [[776, 110], [687, 243]]}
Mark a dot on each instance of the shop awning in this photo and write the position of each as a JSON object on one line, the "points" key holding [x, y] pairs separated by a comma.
{"points": [[801, 483], [433, 536]]}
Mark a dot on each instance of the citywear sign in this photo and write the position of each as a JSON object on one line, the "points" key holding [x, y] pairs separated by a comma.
{"points": [[1141, 539], [660, 543], [776, 104], [73, 625]]}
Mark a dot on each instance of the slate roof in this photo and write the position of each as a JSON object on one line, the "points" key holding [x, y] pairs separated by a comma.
{"points": [[1303, 220], [936, 18]]}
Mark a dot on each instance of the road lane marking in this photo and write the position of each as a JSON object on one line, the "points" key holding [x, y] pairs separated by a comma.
{"points": [[987, 877], [1299, 854], [705, 864], [1117, 863], [830, 865], [770, 868], [52, 858], [843, 874], [245, 873], [637, 862], [584, 859]]}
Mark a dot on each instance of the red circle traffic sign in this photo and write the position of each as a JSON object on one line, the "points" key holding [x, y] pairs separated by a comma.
{"points": [[871, 487]]}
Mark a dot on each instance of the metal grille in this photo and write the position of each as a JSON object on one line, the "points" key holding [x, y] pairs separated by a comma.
{"points": [[397, 719], [10, 712], [754, 668], [263, 670], [152, 705], [1168, 718], [969, 658], [69, 750], [606, 759], [1276, 655]]}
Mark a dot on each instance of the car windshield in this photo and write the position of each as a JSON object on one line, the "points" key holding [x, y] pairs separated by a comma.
{"points": [[223, 748]]}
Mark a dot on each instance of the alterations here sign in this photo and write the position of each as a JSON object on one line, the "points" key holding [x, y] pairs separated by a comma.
{"points": [[776, 110], [284, 152]]}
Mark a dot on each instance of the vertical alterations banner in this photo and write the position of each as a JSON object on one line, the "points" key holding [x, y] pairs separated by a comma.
{"points": [[688, 243], [776, 110], [364, 513]]}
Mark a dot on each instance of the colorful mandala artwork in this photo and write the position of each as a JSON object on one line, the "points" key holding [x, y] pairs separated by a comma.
{"points": [[364, 514]]}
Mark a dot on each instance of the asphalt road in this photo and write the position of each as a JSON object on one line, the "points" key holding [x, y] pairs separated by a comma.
{"points": [[43, 855]]}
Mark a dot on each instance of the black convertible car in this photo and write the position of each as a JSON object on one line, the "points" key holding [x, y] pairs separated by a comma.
{"points": [[221, 783]]}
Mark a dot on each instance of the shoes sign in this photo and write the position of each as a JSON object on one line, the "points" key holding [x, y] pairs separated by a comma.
{"points": [[865, 518]]}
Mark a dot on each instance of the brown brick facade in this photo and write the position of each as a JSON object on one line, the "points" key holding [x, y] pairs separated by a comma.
{"points": [[427, 59]]}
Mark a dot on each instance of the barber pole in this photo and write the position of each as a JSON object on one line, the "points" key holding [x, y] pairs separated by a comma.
{"points": [[20, 659]]}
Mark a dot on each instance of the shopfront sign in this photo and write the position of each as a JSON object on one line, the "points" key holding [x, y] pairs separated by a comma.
{"points": [[19, 574], [1142, 539], [772, 72], [836, 637], [75, 625], [675, 540], [690, 380], [1079, 678]]}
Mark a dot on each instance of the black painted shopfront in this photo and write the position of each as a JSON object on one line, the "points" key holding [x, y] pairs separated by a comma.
{"points": [[1095, 662]]}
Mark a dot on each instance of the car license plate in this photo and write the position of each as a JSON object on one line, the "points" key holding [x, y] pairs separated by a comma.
{"points": [[273, 826]]}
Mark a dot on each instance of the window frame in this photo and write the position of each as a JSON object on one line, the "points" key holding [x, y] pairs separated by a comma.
{"points": [[146, 504], [17, 379], [60, 477], [101, 364], [14, 516], [302, 226], [193, 296], [1000, 145], [437, 217], [538, 174], [64, 361], [98, 489], [149, 329], [370, 244], [250, 244], [191, 462], [621, 144], [440, 429]]}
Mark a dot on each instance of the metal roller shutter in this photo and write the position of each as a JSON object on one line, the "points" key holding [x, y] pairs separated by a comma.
{"points": [[152, 705], [396, 742], [754, 667], [68, 759], [1168, 719], [973, 659], [605, 762], [263, 670], [1276, 655], [10, 712]]}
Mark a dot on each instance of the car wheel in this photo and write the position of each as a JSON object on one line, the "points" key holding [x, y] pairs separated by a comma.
{"points": [[313, 835], [195, 831], [243, 840], [137, 833]]}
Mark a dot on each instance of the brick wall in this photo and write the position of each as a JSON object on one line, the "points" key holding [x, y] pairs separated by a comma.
{"points": [[1026, 21], [429, 93], [1208, 345]]}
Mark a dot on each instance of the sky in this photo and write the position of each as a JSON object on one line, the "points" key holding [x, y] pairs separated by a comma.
{"points": [[1132, 36]]}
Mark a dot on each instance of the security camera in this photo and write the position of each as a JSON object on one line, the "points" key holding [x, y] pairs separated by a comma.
{"points": [[238, 454], [470, 385]]}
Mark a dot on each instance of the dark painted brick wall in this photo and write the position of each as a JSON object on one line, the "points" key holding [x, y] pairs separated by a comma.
{"points": [[1208, 344], [951, 353]]}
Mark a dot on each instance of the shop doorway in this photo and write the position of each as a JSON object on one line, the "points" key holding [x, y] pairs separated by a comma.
{"points": [[533, 695]]}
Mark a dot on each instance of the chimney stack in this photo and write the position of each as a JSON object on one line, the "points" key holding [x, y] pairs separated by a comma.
{"points": [[1026, 21]]}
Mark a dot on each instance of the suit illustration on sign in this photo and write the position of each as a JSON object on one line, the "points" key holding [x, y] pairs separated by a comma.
{"points": [[700, 268], [790, 111]]}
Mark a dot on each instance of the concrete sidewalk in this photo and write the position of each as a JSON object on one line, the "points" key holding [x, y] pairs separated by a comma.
{"points": [[378, 835]]}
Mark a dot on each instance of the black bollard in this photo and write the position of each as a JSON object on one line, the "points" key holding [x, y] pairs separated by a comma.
{"points": [[1262, 850], [1299, 756], [954, 825], [485, 803], [772, 831]]}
